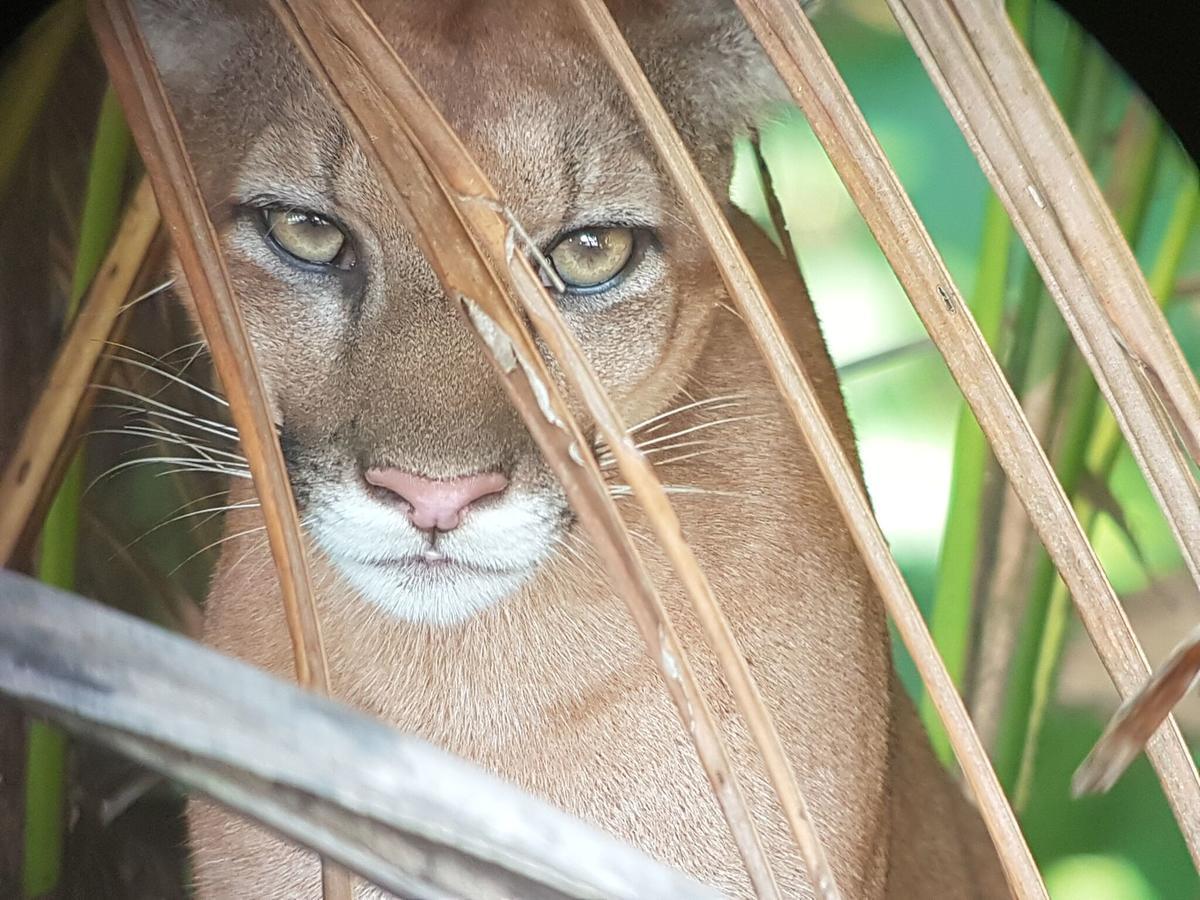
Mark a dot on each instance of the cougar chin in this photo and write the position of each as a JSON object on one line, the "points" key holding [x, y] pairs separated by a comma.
{"points": [[434, 577]]}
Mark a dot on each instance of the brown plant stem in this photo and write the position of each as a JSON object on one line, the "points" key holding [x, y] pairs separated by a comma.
{"points": [[32, 463], [156, 133]]}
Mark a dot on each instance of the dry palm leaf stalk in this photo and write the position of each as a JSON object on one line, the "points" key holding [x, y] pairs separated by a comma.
{"points": [[136, 82], [1138, 718], [788, 37], [1029, 155], [148, 283], [479, 206], [339, 40], [407, 816], [156, 133], [1035, 168], [797, 390], [1002, 107], [49, 424]]}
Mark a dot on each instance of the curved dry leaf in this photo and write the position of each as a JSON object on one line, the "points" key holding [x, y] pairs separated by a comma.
{"points": [[1135, 722], [390, 807]]}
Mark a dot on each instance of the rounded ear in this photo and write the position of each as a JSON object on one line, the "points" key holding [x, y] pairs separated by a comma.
{"points": [[191, 40], [203, 50], [707, 66]]}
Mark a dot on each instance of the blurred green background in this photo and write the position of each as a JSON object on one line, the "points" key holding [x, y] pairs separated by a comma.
{"points": [[906, 407]]}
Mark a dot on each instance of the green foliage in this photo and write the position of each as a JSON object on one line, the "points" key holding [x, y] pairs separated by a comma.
{"points": [[29, 72], [46, 758], [924, 457]]}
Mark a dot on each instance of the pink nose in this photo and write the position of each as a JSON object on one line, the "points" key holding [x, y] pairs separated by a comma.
{"points": [[437, 505]]}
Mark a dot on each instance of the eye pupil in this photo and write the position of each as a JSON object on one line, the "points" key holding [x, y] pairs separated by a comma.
{"points": [[591, 258]]}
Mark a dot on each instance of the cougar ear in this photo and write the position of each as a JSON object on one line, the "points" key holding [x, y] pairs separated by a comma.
{"points": [[193, 42], [705, 63]]}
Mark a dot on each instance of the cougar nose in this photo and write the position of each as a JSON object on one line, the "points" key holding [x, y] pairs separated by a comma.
{"points": [[437, 505]]}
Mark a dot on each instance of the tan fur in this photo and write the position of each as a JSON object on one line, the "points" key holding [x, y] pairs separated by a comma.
{"points": [[549, 686]]}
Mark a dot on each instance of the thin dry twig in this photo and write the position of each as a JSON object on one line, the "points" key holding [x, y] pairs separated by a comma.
{"points": [[156, 133], [840, 473], [452, 210], [409, 817], [1002, 107], [49, 424]]}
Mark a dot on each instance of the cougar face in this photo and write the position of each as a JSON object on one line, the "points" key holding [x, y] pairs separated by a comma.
{"points": [[447, 607], [412, 472]]}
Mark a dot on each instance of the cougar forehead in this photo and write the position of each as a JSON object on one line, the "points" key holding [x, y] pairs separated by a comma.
{"points": [[391, 419]]}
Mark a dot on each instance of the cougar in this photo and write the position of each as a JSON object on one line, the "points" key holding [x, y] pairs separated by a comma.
{"points": [[459, 595]]}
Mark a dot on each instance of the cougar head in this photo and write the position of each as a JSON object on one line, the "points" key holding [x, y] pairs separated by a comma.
{"points": [[413, 473]]}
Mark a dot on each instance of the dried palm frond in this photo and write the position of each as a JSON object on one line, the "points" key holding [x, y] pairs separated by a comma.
{"points": [[1002, 107], [411, 818], [1140, 716], [789, 39], [26, 472], [136, 81], [469, 197], [183, 209]]}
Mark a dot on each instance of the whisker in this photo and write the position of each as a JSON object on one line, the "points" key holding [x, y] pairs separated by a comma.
{"points": [[163, 373], [197, 500], [694, 453], [134, 395], [623, 490], [257, 545], [188, 345], [212, 545], [667, 422], [186, 463], [239, 473], [161, 358], [171, 437], [700, 427], [213, 428], [212, 510], [611, 462], [684, 408], [157, 289], [201, 347]]}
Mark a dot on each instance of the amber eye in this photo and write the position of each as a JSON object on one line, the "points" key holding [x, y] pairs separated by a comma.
{"points": [[307, 236], [592, 257]]}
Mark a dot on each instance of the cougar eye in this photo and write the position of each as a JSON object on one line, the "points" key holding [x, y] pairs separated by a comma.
{"points": [[307, 236], [590, 258]]}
